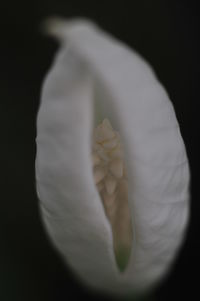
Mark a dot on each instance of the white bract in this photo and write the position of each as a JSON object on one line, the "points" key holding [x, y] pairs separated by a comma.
{"points": [[111, 168]]}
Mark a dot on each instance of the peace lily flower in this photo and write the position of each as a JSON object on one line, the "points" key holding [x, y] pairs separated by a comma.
{"points": [[111, 167]]}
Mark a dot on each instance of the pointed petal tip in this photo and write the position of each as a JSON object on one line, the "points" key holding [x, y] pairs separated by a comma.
{"points": [[52, 26], [58, 27]]}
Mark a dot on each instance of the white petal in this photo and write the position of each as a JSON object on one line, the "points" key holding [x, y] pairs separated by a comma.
{"points": [[90, 62]]}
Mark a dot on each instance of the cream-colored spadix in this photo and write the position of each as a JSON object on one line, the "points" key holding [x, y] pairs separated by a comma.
{"points": [[111, 180], [95, 77]]}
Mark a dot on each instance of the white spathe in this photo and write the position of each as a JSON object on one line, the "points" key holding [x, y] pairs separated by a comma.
{"points": [[93, 70]]}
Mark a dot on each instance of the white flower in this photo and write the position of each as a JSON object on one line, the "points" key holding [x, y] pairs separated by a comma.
{"points": [[95, 77]]}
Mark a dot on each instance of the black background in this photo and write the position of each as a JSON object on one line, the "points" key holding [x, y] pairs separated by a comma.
{"points": [[166, 33]]}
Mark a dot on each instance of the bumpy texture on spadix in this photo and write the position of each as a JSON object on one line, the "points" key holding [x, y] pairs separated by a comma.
{"points": [[94, 77], [111, 180]]}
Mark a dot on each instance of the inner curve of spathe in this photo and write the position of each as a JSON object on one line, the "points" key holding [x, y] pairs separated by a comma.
{"points": [[110, 177]]}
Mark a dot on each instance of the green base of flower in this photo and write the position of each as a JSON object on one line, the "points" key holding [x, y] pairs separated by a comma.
{"points": [[122, 257]]}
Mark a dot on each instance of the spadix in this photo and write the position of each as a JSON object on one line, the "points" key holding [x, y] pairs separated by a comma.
{"points": [[109, 174]]}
